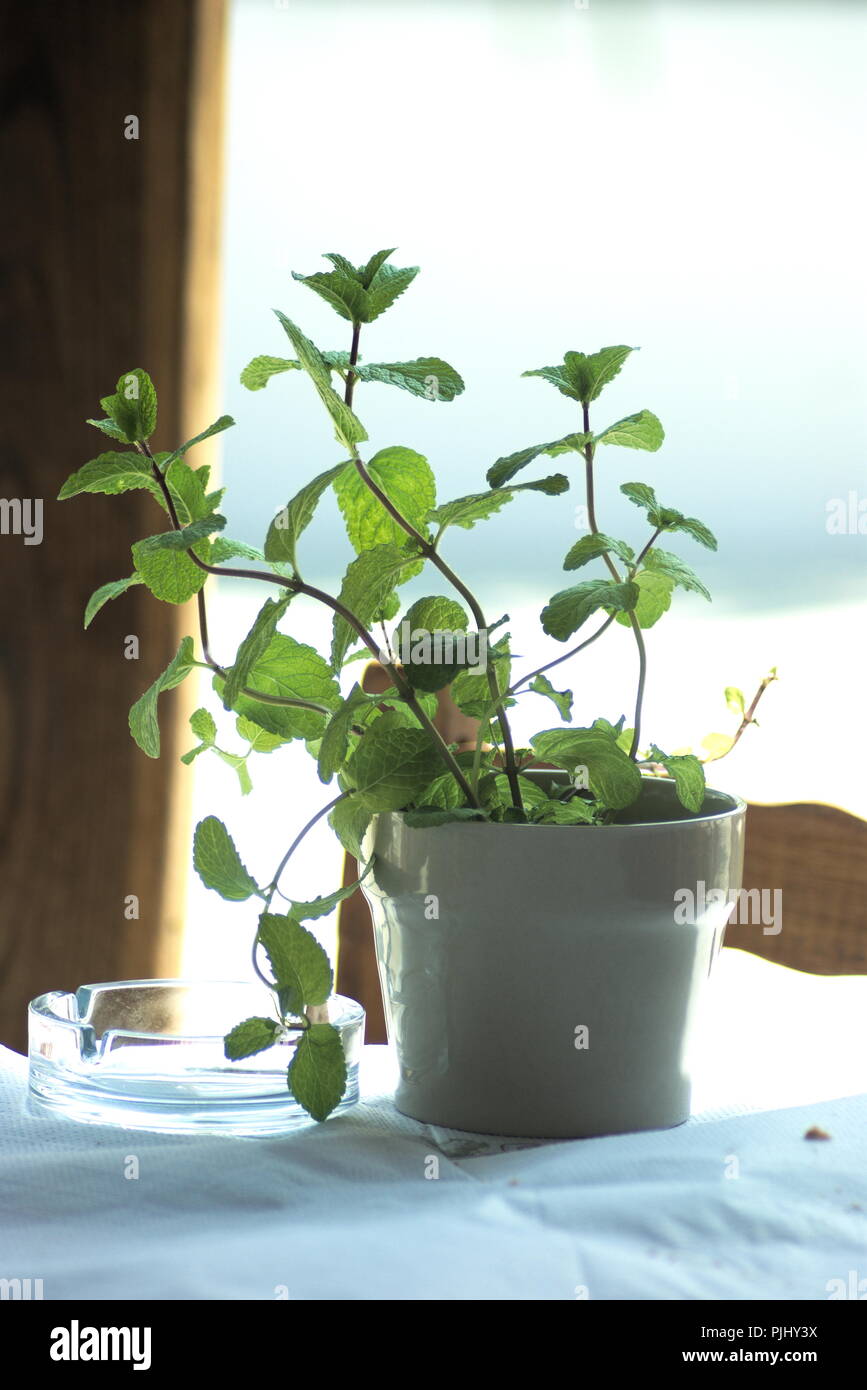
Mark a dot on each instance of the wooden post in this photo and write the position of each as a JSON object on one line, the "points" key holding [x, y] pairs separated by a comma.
{"points": [[108, 254]]}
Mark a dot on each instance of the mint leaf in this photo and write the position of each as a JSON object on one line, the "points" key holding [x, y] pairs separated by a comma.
{"points": [[471, 691], [427, 816], [435, 614], [688, 775], [295, 517], [384, 286], [466, 511], [561, 698], [133, 407], [225, 422], [292, 671], [251, 1036], [187, 488], [186, 538], [582, 376], [224, 549], [641, 495], [317, 1072], [335, 741], [320, 907], [366, 587], [442, 794], [301, 967], [143, 724], [105, 592], [554, 812], [391, 765], [570, 608], [218, 863], [348, 429], [694, 528], [260, 740], [407, 480], [366, 272], [342, 291], [663, 562], [259, 372], [735, 700], [613, 776], [505, 468], [592, 546], [203, 726], [238, 762], [111, 474], [108, 427], [654, 598], [641, 431], [428, 377], [349, 821], [253, 647]]}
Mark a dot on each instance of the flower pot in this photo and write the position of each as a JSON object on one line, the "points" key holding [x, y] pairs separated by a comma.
{"points": [[536, 979], [148, 1054]]}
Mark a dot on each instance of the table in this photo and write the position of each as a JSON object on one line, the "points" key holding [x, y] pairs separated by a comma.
{"points": [[736, 1204]]}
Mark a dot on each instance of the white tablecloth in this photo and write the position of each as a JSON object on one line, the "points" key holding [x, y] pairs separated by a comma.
{"points": [[734, 1204]]}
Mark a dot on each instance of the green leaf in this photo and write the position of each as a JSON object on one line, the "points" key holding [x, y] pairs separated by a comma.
{"points": [[495, 793], [259, 372], [203, 725], [663, 562], [554, 812], [466, 511], [348, 429], [735, 700], [641, 431], [506, 468], [666, 518], [367, 584], [186, 538], [344, 266], [570, 608], [335, 741], [561, 698], [470, 690], [367, 272], [582, 375], [391, 764], [443, 794], [427, 816], [218, 863], [143, 724], [428, 377], [301, 967], [292, 671], [108, 427], [317, 1072], [111, 473], [238, 762], [296, 516], [654, 598], [342, 291], [717, 745], [187, 488], [108, 591], [321, 907], [688, 775], [613, 776], [436, 614], [224, 549], [407, 480], [432, 644], [260, 740], [164, 566], [225, 422], [384, 287], [251, 1036], [641, 495], [133, 407], [349, 821], [590, 547], [253, 647]]}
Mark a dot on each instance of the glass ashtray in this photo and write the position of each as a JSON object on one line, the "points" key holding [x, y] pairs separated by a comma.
{"points": [[148, 1054]]}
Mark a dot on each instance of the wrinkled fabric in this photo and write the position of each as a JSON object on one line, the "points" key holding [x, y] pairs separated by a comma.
{"points": [[736, 1204]]}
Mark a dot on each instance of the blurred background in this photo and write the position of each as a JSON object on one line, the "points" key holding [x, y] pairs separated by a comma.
{"points": [[686, 178]]}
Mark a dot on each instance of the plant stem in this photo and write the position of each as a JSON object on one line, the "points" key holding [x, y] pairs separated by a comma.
{"points": [[747, 719], [429, 551], [298, 586], [565, 657]]}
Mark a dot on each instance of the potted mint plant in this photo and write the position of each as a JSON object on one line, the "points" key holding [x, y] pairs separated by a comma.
{"points": [[536, 979]]}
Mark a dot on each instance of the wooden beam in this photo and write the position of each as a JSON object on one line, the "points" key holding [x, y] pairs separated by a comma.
{"points": [[109, 262]]}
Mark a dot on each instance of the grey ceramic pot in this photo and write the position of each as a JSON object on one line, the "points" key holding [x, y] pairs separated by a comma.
{"points": [[540, 980]]}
